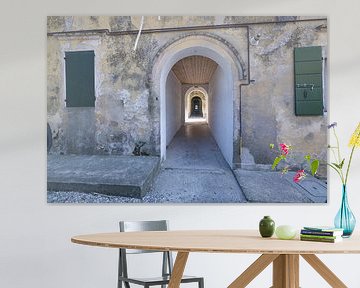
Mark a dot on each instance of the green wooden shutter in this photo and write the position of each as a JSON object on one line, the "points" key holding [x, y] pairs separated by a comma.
{"points": [[308, 81], [80, 81]]}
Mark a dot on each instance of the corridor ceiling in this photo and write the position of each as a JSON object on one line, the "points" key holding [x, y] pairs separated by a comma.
{"points": [[194, 70]]}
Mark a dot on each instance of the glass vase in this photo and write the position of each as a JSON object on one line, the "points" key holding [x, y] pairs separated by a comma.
{"points": [[345, 219]]}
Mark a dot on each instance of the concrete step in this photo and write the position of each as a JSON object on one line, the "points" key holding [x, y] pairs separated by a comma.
{"points": [[129, 176]]}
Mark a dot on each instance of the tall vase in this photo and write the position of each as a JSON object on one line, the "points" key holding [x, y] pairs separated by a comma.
{"points": [[345, 219]]}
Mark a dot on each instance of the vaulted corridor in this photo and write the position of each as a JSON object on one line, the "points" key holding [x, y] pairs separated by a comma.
{"points": [[199, 84]]}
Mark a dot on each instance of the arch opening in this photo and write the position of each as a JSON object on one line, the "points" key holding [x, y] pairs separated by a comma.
{"points": [[190, 94], [216, 98], [196, 107]]}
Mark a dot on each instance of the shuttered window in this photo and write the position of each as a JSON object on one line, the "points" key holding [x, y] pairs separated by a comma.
{"points": [[308, 81], [80, 82]]}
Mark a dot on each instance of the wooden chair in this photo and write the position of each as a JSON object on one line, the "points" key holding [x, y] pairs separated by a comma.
{"points": [[163, 280]]}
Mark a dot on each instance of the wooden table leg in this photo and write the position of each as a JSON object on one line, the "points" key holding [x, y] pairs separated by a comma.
{"points": [[286, 271], [253, 270], [324, 271], [178, 270]]}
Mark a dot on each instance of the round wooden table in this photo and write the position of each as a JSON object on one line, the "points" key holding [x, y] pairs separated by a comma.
{"points": [[284, 254]]}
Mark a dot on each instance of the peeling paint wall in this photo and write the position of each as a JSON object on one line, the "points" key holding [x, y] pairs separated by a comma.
{"points": [[126, 111], [272, 94]]}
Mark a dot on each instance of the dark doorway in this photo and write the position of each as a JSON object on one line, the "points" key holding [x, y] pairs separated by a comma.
{"points": [[196, 107]]}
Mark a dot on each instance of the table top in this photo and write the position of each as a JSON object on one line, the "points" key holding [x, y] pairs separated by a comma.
{"points": [[217, 241]]}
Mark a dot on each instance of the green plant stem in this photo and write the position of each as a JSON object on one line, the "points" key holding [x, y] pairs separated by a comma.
{"points": [[348, 167], [333, 152], [337, 171], [338, 145], [339, 161]]}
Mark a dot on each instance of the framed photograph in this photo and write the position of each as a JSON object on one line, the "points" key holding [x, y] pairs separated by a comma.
{"points": [[187, 109]]}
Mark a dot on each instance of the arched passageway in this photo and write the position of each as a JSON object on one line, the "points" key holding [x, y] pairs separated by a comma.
{"points": [[191, 93], [196, 107], [203, 61]]}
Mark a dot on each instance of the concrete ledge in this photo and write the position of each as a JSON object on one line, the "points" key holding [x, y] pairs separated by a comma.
{"points": [[129, 176]]}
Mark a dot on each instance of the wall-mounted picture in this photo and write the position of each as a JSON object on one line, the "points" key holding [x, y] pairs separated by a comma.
{"points": [[187, 109]]}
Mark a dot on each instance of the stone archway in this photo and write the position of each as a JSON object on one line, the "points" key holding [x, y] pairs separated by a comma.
{"points": [[189, 94], [227, 133], [196, 107]]}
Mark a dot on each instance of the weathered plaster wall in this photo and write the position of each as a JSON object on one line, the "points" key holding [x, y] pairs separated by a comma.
{"points": [[268, 104], [127, 110], [126, 23], [80, 129], [123, 106], [173, 107], [221, 112]]}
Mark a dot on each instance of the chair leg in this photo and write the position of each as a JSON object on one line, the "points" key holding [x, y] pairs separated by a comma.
{"points": [[201, 283], [164, 266], [120, 273]]}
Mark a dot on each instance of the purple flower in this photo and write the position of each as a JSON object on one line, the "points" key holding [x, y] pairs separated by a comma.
{"points": [[332, 125]]}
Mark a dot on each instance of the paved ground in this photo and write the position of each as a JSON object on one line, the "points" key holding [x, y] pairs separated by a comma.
{"points": [[274, 187], [196, 172]]}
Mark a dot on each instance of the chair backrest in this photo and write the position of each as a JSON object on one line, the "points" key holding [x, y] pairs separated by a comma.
{"points": [[134, 226]]}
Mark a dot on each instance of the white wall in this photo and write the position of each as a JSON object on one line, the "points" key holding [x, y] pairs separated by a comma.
{"points": [[220, 117], [173, 106], [35, 248]]}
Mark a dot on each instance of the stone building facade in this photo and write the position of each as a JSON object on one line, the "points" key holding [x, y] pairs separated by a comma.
{"points": [[242, 69]]}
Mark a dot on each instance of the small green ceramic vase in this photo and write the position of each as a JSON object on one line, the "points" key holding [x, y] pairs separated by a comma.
{"points": [[266, 227]]}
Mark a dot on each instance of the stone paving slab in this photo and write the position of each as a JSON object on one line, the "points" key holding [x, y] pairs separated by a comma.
{"points": [[129, 176], [195, 186], [273, 187], [171, 186]]}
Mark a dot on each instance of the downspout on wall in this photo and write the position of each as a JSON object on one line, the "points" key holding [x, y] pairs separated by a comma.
{"points": [[249, 81]]}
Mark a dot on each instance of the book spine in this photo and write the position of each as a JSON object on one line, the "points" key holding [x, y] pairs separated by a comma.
{"points": [[320, 233], [318, 236], [318, 239]]}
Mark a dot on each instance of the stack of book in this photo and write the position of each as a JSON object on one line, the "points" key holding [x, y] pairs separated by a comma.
{"points": [[321, 234]]}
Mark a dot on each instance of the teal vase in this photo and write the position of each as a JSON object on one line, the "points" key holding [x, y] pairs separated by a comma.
{"points": [[266, 226], [345, 219]]}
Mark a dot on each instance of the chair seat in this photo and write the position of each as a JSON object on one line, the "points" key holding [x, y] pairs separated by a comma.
{"points": [[158, 280]]}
